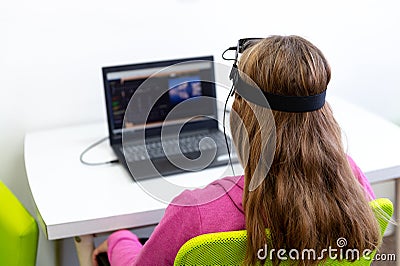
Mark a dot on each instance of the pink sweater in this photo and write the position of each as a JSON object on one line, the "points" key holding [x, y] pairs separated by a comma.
{"points": [[181, 223]]}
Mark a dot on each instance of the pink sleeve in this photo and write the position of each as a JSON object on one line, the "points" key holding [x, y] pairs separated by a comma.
{"points": [[179, 224], [361, 178], [123, 247]]}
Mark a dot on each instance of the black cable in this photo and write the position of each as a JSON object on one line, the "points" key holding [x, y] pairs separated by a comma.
{"points": [[91, 147], [226, 138], [229, 49]]}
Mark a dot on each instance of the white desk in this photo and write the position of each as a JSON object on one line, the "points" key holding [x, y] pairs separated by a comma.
{"points": [[75, 200]]}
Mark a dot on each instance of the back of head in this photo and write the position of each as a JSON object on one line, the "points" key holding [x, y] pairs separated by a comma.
{"points": [[310, 197]]}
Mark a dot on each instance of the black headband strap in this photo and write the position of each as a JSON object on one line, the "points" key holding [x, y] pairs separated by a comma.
{"points": [[293, 104]]}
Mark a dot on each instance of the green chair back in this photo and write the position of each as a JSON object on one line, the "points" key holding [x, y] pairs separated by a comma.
{"points": [[18, 231], [229, 248]]}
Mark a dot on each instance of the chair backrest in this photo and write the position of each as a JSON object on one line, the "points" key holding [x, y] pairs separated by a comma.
{"points": [[229, 248], [18, 231]]}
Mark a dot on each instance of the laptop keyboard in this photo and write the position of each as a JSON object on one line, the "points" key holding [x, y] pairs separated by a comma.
{"points": [[186, 145]]}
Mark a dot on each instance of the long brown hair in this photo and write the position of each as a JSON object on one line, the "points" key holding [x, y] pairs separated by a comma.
{"points": [[310, 197]]}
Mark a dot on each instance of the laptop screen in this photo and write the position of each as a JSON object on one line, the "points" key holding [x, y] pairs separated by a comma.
{"points": [[156, 94]]}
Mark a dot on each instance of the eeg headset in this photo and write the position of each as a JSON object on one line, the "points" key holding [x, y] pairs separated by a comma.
{"points": [[253, 94], [283, 103]]}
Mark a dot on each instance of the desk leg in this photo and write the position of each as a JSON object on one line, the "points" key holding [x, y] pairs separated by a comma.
{"points": [[84, 247], [397, 217]]}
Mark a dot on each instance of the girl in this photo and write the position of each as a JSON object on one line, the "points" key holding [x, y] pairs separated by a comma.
{"points": [[313, 193]]}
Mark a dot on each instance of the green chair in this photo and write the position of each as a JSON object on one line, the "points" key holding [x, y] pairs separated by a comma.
{"points": [[18, 231], [229, 248]]}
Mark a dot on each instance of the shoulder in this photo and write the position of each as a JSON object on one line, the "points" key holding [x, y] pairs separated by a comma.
{"points": [[362, 179], [216, 207], [356, 170], [214, 191]]}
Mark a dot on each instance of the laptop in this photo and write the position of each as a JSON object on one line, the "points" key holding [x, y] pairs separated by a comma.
{"points": [[162, 117]]}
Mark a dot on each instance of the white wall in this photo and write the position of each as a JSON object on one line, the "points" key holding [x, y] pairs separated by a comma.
{"points": [[51, 53]]}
